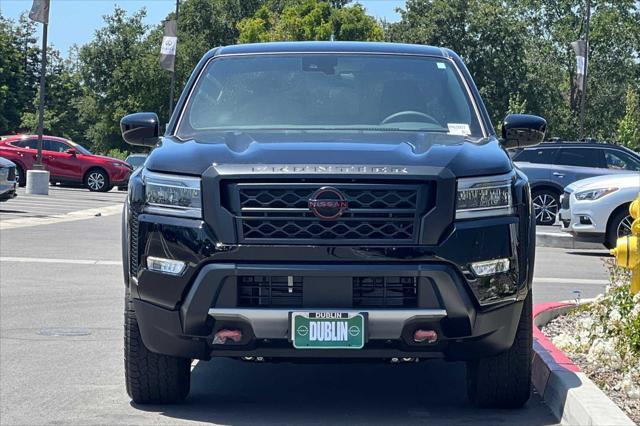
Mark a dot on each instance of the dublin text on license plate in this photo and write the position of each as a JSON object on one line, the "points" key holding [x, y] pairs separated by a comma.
{"points": [[327, 330]]}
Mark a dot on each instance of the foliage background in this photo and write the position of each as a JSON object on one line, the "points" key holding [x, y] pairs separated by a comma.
{"points": [[517, 50]]}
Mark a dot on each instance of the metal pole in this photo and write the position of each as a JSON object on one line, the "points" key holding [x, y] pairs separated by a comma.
{"points": [[173, 73], [38, 165], [586, 72]]}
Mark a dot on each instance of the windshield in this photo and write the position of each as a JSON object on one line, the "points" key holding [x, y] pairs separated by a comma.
{"points": [[330, 92], [80, 148]]}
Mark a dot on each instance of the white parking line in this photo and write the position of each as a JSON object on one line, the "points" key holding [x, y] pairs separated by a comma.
{"points": [[60, 261], [554, 280], [66, 217]]}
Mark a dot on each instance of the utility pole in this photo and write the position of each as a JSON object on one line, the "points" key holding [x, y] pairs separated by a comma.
{"points": [[173, 73], [586, 71], [39, 165], [38, 177]]}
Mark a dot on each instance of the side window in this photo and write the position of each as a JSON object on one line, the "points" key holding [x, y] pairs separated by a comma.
{"points": [[620, 161], [539, 155], [580, 157], [27, 144], [55, 146]]}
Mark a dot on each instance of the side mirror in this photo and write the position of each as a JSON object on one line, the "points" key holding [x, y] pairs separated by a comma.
{"points": [[72, 151], [522, 130], [141, 128]]}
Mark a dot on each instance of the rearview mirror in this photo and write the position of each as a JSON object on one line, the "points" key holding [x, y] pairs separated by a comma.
{"points": [[72, 151], [522, 130], [141, 128]]}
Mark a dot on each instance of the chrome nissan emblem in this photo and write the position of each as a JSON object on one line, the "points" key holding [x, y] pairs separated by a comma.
{"points": [[328, 203]]}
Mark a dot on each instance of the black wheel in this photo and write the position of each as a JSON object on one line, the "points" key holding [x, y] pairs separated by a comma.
{"points": [[151, 378], [545, 206], [504, 380], [22, 177], [97, 180], [619, 226]]}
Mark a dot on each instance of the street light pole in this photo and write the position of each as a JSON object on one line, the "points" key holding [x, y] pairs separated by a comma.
{"points": [[586, 71], [173, 73], [38, 165]]}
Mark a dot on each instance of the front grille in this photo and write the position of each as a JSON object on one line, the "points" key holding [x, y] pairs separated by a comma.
{"points": [[265, 291], [384, 292], [11, 176], [565, 200], [279, 212]]}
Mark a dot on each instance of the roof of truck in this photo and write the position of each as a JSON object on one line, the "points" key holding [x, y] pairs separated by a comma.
{"points": [[331, 47]]}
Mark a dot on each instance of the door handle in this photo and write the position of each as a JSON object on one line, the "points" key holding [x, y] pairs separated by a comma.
{"points": [[560, 175]]}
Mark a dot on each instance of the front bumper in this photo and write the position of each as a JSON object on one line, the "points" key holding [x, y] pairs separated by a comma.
{"points": [[586, 220], [446, 306]]}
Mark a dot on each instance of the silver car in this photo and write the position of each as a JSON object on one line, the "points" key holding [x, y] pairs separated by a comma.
{"points": [[8, 179]]}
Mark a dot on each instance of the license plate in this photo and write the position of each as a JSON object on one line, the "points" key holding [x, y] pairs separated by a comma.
{"points": [[327, 330]]}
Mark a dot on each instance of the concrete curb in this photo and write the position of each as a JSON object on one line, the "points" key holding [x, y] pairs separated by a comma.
{"points": [[553, 239], [570, 394]]}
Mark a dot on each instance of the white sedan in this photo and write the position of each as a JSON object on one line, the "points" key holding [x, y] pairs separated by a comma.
{"points": [[597, 209]]}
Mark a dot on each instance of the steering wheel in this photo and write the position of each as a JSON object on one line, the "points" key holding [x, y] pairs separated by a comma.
{"points": [[416, 113]]}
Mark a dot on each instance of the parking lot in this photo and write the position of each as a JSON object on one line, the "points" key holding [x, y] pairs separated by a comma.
{"points": [[61, 339]]}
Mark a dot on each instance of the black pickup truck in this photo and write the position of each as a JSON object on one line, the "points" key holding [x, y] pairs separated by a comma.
{"points": [[327, 200]]}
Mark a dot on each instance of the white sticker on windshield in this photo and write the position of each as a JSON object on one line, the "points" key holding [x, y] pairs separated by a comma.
{"points": [[441, 65], [459, 129]]}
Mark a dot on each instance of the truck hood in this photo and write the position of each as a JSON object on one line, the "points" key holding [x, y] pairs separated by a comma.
{"points": [[460, 155]]}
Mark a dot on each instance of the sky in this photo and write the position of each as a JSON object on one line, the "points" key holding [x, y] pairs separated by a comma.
{"points": [[75, 21]]}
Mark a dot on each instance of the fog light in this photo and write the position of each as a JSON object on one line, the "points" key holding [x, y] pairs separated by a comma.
{"points": [[165, 266], [585, 220], [490, 267]]}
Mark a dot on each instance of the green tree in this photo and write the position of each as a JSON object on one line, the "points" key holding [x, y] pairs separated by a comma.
{"points": [[19, 71], [309, 20], [62, 94], [628, 132]]}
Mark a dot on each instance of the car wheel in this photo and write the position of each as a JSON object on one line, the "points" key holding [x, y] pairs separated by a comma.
{"points": [[504, 380], [97, 181], [151, 378], [619, 226], [22, 177], [545, 206]]}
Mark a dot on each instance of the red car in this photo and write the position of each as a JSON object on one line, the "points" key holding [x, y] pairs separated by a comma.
{"points": [[66, 161]]}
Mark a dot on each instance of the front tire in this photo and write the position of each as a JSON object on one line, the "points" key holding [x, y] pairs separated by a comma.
{"points": [[97, 180], [151, 378], [504, 380], [546, 205], [22, 177], [619, 226]]}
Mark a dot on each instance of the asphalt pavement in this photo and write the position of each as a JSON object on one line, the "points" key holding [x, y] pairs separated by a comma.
{"points": [[61, 301]]}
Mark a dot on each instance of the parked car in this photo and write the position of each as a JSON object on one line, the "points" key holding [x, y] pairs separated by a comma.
{"points": [[66, 161], [8, 181], [553, 165], [136, 160], [329, 201], [597, 209]]}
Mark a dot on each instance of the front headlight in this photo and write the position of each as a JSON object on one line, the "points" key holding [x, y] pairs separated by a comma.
{"points": [[484, 196], [594, 194], [172, 195]]}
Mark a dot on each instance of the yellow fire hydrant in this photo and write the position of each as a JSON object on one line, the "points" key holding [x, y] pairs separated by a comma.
{"points": [[627, 251]]}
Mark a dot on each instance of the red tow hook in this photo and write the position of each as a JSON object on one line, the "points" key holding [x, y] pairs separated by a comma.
{"points": [[422, 336], [221, 337]]}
